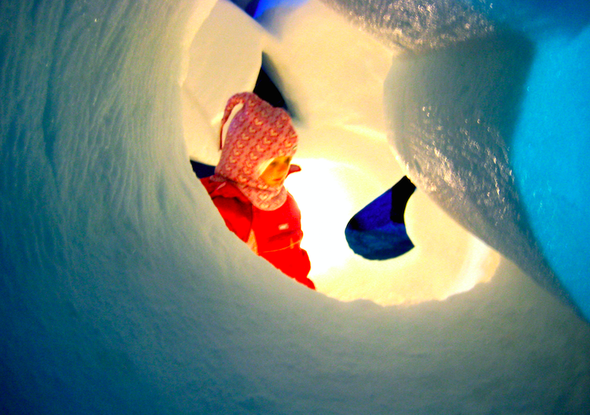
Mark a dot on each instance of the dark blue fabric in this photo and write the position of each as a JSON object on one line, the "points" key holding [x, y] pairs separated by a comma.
{"points": [[386, 242], [372, 233], [202, 170]]}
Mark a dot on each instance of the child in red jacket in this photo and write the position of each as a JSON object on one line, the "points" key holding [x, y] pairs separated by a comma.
{"points": [[247, 187]]}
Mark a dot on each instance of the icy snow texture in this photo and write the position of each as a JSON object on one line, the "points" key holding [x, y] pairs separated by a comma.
{"points": [[490, 144], [122, 291]]}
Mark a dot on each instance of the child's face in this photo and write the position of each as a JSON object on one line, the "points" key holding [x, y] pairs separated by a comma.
{"points": [[276, 172]]}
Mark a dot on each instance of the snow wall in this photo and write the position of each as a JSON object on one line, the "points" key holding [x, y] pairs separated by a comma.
{"points": [[122, 292]]}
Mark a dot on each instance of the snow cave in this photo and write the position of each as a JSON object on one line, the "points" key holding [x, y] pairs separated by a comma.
{"points": [[123, 292]]}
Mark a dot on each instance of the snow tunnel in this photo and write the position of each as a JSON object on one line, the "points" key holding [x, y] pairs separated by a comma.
{"points": [[343, 147], [123, 292]]}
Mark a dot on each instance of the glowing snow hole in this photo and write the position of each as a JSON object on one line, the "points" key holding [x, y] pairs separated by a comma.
{"points": [[447, 260], [443, 263]]}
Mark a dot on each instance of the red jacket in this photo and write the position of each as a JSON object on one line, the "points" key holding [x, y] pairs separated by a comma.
{"points": [[274, 235]]}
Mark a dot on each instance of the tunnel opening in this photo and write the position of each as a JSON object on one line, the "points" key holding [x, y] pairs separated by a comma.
{"points": [[346, 161]]}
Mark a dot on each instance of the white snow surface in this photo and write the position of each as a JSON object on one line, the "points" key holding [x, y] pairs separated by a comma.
{"points": [[123, 292]]}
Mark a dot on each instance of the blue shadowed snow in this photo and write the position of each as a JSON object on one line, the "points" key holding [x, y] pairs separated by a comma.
{"points": [[550, 153], [122, 291], [537, 17], [501, 122]]}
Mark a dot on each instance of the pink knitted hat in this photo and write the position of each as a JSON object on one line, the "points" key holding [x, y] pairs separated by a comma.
{"points": [[257, 134]]}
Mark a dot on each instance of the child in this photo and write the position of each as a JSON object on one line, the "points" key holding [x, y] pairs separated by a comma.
{"points": [[247, 186]]}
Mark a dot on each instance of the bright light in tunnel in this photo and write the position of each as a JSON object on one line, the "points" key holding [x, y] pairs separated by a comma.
{"points": [[323, 192], [447, 260], [343, 150]]}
